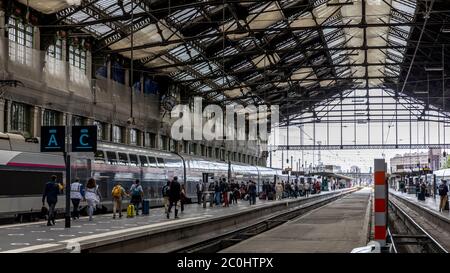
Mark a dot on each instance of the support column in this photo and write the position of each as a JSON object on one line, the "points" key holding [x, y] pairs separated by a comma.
{"points": [[380, 203], [36, 121], [2, 115], [108, 132], [8, 115]]}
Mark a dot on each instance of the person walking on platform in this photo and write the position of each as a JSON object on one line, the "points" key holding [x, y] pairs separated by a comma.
{"points": [[76, 194], [200, 189], [118, 193], [443, 193], [174, 196], [137, 194], [92, 196], [165, 194], [51, 191]]}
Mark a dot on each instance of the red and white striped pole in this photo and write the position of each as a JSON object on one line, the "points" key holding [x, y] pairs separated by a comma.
{"points": [[380, 204]]}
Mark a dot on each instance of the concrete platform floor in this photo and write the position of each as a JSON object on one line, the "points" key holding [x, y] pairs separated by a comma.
{"points": [[337, 227], [36, 236]]}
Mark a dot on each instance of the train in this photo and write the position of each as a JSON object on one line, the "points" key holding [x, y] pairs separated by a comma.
{"points": [[24, 173]]}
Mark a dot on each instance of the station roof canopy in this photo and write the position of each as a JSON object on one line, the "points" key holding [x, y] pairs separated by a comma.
{"points": [[294, 53]]}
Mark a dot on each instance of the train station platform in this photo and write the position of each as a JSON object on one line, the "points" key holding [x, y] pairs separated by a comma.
{"points": [[104, 231], [430, 204], [339, 227]]}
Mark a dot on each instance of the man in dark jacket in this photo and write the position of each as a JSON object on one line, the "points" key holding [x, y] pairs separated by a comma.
{"points": [[51, 192], [174, 196], [443, 193]]}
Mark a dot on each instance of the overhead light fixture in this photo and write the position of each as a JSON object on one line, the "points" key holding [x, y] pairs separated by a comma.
{"points": [[431, 69], [420, 92], [358, 101], [445, 30]]}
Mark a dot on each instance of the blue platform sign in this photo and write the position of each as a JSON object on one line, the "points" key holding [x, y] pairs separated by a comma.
{"points": [[53, 139], [84, 138]]}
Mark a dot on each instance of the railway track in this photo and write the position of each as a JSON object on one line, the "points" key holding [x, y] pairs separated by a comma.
{"points": [[408, 236], [226, 240]]}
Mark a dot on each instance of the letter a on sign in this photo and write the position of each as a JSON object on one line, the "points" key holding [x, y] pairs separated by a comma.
{"points": [[53, 139]]}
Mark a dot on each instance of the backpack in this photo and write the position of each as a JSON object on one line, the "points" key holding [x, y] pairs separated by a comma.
{"points": [[442, 189], [136, 191], [116, 192], [165, 191]]}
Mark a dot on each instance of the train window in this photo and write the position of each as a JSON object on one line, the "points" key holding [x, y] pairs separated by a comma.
{"points": [[99, 157], [112, 157], [123, 158], [133, 159], [152, 161], [144, 160], [160, 162]]}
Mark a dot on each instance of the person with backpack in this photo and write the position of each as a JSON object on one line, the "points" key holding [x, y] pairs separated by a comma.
{"points": [[51, 191], [443, 193], [118, 193], [92, 196], [165, 194], [174, 196], [76, 194], [137, 194], [252, 192]]}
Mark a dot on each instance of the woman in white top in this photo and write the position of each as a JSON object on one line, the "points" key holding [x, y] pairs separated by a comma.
{"points": [[92, 196]]}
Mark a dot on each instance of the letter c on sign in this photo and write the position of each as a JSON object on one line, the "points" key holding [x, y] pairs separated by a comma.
{"points": [[81, 140]]}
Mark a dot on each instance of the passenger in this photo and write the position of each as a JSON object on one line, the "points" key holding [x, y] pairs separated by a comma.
{"points": [[236, 193], [76, 195], [118, 193], [252, 193], [183, 197], [443, 193], [137, 194], [423, 190], [92, 196], [200, 189], [301, 189], [174, 196], [165, 195], [217, 193], [279, 191], [307, 189], [51, 191], [225, 189]]}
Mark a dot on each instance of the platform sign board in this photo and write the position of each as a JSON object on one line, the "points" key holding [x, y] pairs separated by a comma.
{"points": [[84, 138], [53, 139]]}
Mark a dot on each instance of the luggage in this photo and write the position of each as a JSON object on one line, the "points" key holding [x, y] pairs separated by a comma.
{"points": [[270, 196], [262, 196], [131, 211], [146, 207], [446, 206]]}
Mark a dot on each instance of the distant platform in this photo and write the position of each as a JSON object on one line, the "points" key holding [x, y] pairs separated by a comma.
{"points": [[338, 227]]}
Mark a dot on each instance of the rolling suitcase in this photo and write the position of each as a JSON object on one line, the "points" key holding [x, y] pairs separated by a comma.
{"points": [[446, 206], [131, 211], [421, 196], [146, 207]]}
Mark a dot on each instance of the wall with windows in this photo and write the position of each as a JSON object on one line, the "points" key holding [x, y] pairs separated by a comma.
{"points": [[59, 90]]}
